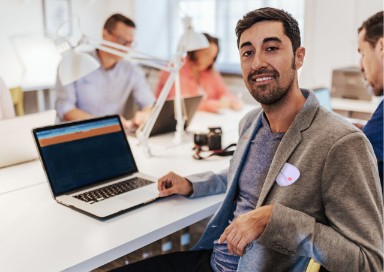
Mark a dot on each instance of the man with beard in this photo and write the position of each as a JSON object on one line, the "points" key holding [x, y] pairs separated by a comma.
{"points": [[371, 42], [299, 182]]}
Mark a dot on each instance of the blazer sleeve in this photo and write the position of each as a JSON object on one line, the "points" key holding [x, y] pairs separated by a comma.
{"points": [[208, 183], [351, 241]]}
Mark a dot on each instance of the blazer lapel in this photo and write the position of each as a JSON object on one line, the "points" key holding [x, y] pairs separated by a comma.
{"points": [[286, 147], [241, 150], [290, 141]]}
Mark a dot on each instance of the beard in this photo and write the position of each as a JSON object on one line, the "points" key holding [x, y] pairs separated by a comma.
{"points": [[265, 94]]}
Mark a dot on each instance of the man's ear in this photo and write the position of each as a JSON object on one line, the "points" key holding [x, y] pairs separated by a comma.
{"points": [[300, 54], [380, 44], [105, 33]]}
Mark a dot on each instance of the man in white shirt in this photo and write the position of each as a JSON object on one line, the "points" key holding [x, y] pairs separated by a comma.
{"points": [[106, 90], [6, 106]]}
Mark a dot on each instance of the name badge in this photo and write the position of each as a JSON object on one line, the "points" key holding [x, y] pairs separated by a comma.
{"points": [[288, 175]]}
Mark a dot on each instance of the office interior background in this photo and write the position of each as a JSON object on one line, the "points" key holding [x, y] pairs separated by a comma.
{"points": [[29, 57]]}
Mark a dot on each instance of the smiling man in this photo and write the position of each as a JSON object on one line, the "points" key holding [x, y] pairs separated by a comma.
{"points": [[299, 182], [106, 90]]}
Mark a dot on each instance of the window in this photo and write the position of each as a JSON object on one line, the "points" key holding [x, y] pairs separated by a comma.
{"points": [[217, 17]]}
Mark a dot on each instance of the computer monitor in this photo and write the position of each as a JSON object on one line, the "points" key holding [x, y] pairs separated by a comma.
{"points": [[349, 83]]}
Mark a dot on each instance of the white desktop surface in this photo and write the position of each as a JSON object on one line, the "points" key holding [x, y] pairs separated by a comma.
{"points": [[38, 234], [353, 105], [15, 178]]}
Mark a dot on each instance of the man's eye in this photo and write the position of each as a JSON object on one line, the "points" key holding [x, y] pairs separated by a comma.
{"points": [[247, 53], [272, 49]]}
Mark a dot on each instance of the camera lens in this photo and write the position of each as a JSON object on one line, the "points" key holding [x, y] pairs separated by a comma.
{"points": [[200, 139]]}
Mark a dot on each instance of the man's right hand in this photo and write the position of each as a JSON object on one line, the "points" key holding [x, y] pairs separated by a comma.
{"points": [[172, 183], [127, 125]]}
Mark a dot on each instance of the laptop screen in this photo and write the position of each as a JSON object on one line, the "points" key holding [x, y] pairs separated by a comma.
{"points": [[166, 121], [80, 154]]}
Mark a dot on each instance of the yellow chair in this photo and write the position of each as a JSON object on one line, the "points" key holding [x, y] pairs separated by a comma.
{"points": [[17, 98], [313, 266]]}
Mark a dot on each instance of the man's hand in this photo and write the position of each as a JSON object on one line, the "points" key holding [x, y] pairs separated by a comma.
{"points": [[246, 228], [127, 125], [172, 183], [141, 116]]}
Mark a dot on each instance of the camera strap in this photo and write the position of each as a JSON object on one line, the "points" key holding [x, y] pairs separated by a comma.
{"points": [[222, 152]]}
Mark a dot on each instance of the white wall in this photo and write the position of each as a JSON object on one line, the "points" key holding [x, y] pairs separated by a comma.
{"points": [[330, 32], [16, 17], [154, 20], [93, 13], [331, 37], [22, 21]]}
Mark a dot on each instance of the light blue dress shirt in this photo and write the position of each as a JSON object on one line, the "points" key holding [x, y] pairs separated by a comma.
{"points": [[105, 92]]}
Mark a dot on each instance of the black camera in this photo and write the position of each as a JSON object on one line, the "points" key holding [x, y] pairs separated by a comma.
{"points": [[212, 139]]}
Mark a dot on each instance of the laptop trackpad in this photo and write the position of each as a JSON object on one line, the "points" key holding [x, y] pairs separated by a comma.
{"points": [[139, 196]]}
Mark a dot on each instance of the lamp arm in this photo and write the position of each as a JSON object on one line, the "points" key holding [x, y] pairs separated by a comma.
{"points": [[128, 53], [144, 131], [179, 116]]}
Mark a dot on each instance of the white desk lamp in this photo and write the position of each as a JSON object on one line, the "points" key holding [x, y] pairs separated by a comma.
{"points": [[75, 64]]}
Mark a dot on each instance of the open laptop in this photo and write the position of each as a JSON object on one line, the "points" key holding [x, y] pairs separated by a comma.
{"points": [[90, 167], [16, 141], [166, 121]]}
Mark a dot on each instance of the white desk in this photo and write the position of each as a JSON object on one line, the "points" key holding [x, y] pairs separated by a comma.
{"points": [[350, 107], [37, 234]]}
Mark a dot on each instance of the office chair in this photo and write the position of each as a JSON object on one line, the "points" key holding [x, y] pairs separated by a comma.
{"points": [[17, 98], [313, 266]]}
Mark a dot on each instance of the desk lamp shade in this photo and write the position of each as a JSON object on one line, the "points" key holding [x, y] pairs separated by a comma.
{"points": [[191, 40], [74, 66]]}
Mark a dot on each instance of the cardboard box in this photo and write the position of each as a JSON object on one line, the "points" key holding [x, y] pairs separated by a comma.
{"points": [[349, 83]]}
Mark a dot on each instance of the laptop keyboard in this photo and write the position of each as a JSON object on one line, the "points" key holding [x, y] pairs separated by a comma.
{"points": [[106, 192]]}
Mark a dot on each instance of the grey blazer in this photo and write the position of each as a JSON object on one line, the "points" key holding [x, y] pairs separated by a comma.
{"points": [[332, 213]]}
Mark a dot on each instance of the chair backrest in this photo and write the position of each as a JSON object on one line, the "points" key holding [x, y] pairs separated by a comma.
{"points": [[313, 266], [17, 98]]}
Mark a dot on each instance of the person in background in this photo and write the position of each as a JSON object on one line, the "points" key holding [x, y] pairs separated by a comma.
{"points": [[198, 76], [6, 106], [106, 90], [299, 181], [370, 47]]}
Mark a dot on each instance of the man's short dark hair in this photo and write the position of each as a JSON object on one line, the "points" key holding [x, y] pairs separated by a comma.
{"points": [[111, 22], [373, 28], [291, 26]]}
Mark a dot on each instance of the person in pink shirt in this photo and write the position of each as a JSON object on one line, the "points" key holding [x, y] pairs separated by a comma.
{"points": [[198, 76]]}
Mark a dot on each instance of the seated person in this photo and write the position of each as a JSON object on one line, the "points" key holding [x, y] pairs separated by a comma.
{"points": [[198, 76], [106, 90], [298, 183], [370, 43], [6, 106]]}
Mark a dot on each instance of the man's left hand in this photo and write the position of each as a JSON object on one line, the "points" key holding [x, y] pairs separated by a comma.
{"points": [[246, 228]]}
